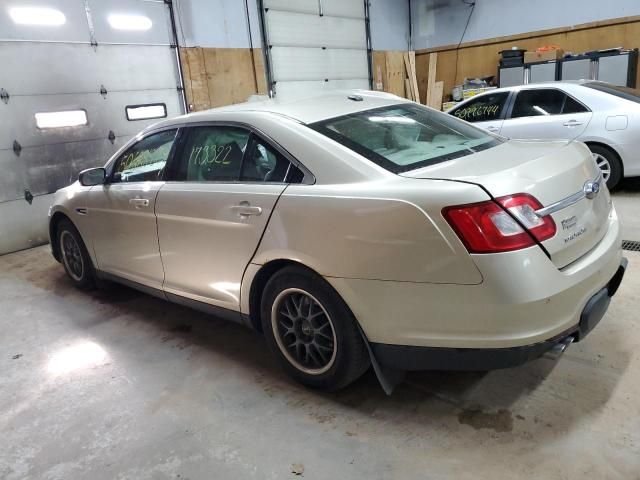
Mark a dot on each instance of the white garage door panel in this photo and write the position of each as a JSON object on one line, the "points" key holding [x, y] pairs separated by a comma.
{"points": [[74, 29], [342, 8], [155, 11], [305, 30], [306, 89], [77, 68], [23, 225], [296, 63], [103, 114], [300, 6], [44, 169]]}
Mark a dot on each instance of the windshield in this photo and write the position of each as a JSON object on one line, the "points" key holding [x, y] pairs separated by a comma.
{"points": [[630, 94], [406, 136]]}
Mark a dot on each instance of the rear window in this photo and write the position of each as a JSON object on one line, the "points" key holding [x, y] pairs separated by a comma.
{"points": [[630, 94], [407, 136]]}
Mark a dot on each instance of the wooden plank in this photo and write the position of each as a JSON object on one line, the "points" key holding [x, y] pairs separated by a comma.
{"points": [[408, 89], [260, 73], [431, 76], [413, 77], [436, 95], [394, 78], [197, 91], [534, 34], [408, 75], [379, 64], [230, 75]]}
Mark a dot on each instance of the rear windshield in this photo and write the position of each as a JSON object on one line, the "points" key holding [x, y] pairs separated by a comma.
{"points": [[406, 136], [630, 94]]}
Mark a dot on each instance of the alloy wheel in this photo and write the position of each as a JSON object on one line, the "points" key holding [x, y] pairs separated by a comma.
{"points": [[72, 256], [603, 165], [303, 331]]}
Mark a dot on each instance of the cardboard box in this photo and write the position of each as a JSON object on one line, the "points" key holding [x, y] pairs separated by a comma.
{"points": [[472, 92], [448, 105], [532, 57]]}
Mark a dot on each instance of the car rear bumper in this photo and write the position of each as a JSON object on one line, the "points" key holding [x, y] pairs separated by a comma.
{"points": [[524, 300], [404, 357]]}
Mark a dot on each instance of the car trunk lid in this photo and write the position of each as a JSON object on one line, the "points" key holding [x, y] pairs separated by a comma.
{"points": [[562, 176]]}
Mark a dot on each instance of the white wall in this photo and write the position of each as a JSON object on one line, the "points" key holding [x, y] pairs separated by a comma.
{"points": [[389, 24], [441, 22], [216, 23]]}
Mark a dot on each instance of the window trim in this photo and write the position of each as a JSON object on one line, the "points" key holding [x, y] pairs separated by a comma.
{"points": [[503, 113], [111, 166], [171, 170], [517, 92], [158, 104]]}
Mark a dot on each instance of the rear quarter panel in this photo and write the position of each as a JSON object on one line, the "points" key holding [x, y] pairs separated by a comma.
{"points": [[387, 230]]}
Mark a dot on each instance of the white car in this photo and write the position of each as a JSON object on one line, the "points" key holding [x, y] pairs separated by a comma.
{"points": [[604, 116], [353, 228]]}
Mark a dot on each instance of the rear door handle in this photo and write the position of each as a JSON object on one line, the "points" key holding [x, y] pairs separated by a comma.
{"points": [[139, 202], [244, 209], [572, 123]]}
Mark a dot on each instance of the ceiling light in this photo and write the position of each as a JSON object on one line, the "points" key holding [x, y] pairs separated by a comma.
{"points": [[69, 118], [129, 22], [37, 16]]}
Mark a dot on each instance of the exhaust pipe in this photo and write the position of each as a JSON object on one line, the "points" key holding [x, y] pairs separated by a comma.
{"points": [[558, 349]]}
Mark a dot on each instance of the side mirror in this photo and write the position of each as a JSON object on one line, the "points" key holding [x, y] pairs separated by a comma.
{"points": [[92, 176]]}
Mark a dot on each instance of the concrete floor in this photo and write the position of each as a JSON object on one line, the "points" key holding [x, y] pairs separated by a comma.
{"points": [[115, 384]]}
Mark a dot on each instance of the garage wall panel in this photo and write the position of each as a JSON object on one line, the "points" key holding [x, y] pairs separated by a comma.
{"points": [[76, 68], [304, 30], [297, 63], [316, 45], [48, 70], [154, 11], [74, 28]]}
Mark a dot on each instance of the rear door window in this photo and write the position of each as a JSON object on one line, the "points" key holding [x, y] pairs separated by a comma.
{"points": [[485, 108], [212, 154], [544, 102]]}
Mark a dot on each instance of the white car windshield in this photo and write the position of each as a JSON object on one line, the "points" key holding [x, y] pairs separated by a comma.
{"points": [[406, 136]]}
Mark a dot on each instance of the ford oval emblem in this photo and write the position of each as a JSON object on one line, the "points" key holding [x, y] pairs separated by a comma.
{"points": [[591, 189]]}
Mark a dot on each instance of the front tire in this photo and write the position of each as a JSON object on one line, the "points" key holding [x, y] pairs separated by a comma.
{"points": [[609, 163], [74, 256], [311, 330]]}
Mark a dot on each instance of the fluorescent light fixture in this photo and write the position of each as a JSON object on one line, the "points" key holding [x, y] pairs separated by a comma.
{"points": [[42, 16], [69, 118], [144, 112], [129, 22]]}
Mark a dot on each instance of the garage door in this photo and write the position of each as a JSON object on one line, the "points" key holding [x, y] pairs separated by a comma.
{"points": [[78, 78], [316, 45]]}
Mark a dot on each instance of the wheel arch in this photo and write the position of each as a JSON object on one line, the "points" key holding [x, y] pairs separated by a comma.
{"points": [[56, 218], [608, 147], [259, 281]]}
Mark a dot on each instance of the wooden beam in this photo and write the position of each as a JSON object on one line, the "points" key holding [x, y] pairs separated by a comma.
{"points": [[431, 79], [535, 34], [413, 78]]}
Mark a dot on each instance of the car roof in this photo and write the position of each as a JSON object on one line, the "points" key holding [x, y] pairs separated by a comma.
{"points": [[564, 83], [311, 109]]}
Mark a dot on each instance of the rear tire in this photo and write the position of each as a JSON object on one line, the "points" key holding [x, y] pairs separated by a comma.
{"points": [[609, 164], [312, 331], [74, 256]]}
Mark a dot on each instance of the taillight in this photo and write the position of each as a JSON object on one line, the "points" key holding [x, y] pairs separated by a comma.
{"points": [[486, 227]]}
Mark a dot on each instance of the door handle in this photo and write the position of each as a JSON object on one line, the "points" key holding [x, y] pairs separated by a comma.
{"points": [[139, 202], [244, 209], [493, 129], [572, 123]]}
